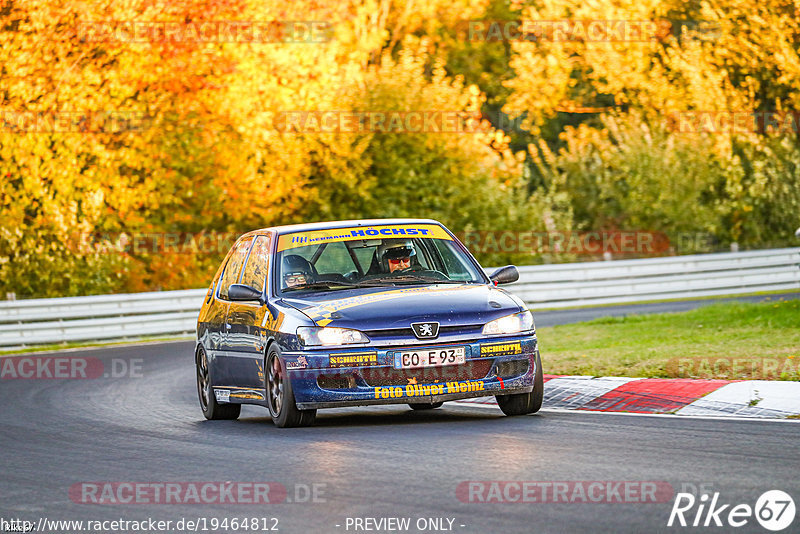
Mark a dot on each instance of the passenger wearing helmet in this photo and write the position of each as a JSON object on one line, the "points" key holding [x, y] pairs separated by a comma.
{"points": [[396, 256], [296, 271]]}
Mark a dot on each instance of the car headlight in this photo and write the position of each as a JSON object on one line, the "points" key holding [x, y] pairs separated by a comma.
{"points": [[510, 324], [318, 335]]}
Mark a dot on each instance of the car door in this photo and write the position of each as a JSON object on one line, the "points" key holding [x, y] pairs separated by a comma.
{"points": [[246, 341], [225, 368]]}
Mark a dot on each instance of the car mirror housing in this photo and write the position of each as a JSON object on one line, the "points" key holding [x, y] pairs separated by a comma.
{"points": [[505, 275], [242, 292]]}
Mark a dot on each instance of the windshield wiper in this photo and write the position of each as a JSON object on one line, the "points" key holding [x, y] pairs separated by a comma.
{"points": [[375, 283], [417, 278], [322, 284], [331, 284]]}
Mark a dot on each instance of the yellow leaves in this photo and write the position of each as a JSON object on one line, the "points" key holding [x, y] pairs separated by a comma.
{"points": [[742, 52]]}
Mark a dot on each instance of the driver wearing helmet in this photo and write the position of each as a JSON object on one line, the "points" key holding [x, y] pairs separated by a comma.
{"points": [[397, 256], [297, 271]]}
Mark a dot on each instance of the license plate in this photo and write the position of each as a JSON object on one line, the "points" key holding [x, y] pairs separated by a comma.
{"points": [[415, 359]]}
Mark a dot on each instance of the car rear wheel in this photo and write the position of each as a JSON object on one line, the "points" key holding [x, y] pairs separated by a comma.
{"points": [[208, 401], [422, 406], [525, 403], [280, 397]]}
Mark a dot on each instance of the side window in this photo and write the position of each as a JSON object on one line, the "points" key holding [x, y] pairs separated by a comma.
{"points": [[455, 265], [234, 267], [255, 271]]}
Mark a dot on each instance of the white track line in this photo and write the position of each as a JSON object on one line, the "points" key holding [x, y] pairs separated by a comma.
{"points": [[629, 414]]}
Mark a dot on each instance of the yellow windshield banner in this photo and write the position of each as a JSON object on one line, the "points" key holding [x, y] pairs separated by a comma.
{"points": [[316, 237]]}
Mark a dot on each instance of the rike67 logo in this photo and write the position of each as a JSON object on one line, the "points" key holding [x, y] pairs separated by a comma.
{"points": [[774, 510]]}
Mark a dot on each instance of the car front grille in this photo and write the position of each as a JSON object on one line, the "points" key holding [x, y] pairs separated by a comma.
{"points": [[467, 329], [386, 376]]}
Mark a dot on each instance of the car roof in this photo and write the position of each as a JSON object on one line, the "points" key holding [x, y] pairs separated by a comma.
{"points": [[292, 228]]}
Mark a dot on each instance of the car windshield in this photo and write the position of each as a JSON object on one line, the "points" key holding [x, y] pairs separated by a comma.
{"points": [[372, 257]]}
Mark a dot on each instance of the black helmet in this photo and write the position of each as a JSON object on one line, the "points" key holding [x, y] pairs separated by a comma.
{"points": [[393, 250], [294, 265]]}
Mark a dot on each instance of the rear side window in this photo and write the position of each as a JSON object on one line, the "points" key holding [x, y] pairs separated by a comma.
{"points": [[234, 267], [255, 271]]}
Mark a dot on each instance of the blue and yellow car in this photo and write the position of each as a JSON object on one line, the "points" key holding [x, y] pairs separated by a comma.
{"points": [[348, 313]]}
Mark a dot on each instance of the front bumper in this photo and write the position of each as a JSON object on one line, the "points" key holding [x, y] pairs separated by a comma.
{"points": [[367, 375]]}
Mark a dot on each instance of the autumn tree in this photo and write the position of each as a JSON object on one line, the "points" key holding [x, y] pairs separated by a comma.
{"points": [[713, 56]]}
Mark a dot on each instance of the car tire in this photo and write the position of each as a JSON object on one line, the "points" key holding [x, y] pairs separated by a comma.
{"points": [[423, 406], [280, 397], [525, 403], [212, 410]]}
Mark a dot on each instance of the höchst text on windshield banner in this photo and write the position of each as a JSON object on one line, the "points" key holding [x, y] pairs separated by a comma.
{"points": [[399, 231]]}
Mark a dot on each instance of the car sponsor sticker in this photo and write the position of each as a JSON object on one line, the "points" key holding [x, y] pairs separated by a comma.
{"points": [[353, 359], [501, 349], [223, 395], [416, 390], [302, 239], [299, 363]]}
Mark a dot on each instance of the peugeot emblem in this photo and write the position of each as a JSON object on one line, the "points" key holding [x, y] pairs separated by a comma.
{"points": [[425, 330]]}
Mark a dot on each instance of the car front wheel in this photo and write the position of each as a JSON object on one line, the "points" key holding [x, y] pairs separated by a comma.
{"points": [[280, 397]]}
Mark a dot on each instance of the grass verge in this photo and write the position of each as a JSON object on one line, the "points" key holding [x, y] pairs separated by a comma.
{"points": [[661, 301], [732, 340]]}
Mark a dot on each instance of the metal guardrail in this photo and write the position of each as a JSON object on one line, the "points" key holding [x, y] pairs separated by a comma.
{"points": [[129, 316], [98, 318], [701, 275]]}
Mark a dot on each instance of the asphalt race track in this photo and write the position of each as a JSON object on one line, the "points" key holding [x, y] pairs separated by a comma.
{"points": [[369, 462]]}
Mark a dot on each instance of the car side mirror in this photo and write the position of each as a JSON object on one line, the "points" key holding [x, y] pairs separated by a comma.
{"points": [[242, 292], [505, 275]]}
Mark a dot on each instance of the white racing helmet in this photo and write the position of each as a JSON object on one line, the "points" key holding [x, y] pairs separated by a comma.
{"points": [[395, 249]]}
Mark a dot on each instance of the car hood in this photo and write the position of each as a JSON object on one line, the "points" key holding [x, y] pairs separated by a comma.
{"points": [[397, 307]]}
